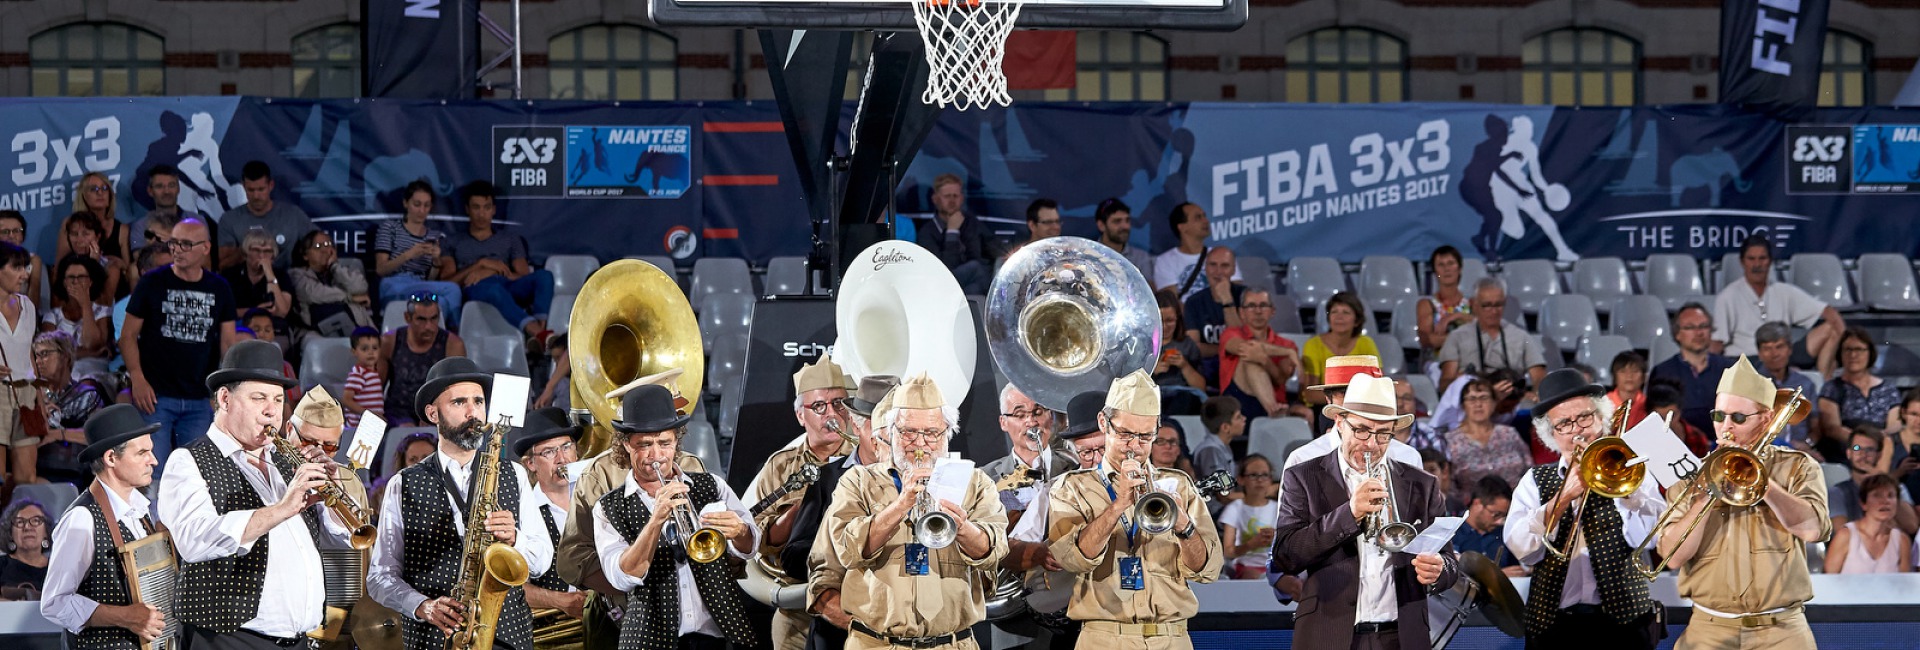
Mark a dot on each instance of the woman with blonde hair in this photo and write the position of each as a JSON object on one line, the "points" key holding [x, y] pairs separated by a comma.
{"points": [[94, 197]]}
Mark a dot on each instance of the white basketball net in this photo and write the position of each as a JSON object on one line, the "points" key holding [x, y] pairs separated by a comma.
{"points": [[966, 42]]}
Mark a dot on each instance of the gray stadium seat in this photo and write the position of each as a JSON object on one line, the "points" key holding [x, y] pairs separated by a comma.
{"points": [[1311, 280], [1269, 436], [725, 315], [506, 354], [1599, 351], [1530, 282], [1512, 313], [727, 362], [1393, 358], [325, 362], [1704, 300], [1568, 318], [1406, 325], [1385, 280], [1822, 275], [395, 316], [701, 442], [713, 275], [1423, 389], [571, 271], [1886, 282], [1471, 270], [1286, 315], [786, 276], [479, 319], [1191, 428], [1255, 271], [355, 263], [1663, 349], [1640, 319], [57, 497], [1604, 279], [560, 313], [389, 458], [1672, 276]]}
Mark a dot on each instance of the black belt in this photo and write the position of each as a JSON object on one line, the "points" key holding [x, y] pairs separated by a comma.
{"points": [[279, 641], [914, 641], [1375, 628]]}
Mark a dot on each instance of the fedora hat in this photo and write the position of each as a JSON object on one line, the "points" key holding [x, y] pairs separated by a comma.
{"points": [[1372, 398], [648, 409], [445, 373], [1083, 414], [1562, 385], [110, 426], [872, 390], [1339, 373], [542, 425], [252, 360]]}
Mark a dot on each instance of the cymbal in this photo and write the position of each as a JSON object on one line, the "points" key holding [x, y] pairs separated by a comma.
{"points": [[375, 627], [1499, 602]]}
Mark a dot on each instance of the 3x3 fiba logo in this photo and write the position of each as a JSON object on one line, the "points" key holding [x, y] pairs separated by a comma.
{"points": [[1819, 159], [525, 150]]}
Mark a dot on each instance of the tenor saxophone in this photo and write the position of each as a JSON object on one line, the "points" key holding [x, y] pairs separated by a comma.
{"points": [[488, 568]]}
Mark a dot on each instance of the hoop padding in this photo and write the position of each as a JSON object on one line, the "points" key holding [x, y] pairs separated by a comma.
{"points": [[966, 45]]}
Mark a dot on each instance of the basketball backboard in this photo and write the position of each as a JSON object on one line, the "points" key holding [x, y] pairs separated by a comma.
{"points": [[1202, 15]]}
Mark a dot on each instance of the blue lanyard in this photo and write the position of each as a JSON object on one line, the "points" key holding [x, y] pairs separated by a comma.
{"points": [[1133, 527]]}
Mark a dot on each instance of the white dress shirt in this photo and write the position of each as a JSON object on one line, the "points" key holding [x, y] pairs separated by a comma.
{"points": [[72, 557], [611, 544], [1526, 534], [541, 500], [293, 598], [1032, 527], [1377, 604], [383, 578]]}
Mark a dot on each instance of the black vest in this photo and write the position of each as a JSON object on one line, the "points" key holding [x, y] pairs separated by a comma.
{"points": [[226, 590], [431, 550], [1623, 593], [653, 608], [105, 583], [550, 580]]}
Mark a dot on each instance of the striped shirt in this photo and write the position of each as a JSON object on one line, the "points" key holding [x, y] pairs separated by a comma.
{"points": [[368, 390], [393, 239]]}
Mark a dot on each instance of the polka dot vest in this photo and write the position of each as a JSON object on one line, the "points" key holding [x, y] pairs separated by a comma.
{"points": [[226, 591], [1623, 593], [550, 580], [105, 583], [653, 608], [430, 552]]}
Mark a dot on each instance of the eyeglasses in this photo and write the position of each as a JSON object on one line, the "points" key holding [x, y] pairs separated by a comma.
{"points": [[1257, 305], [1379, 436], [1492, 305], [1478, 397], [1856, 349], [183, 245], [9, 232], [44, 352], [1133, 436], [1738, 418], [29, 522], [99, 188], [1091, 453], [550, 452], [322, 244], [329, 447], [1870, 450], [1581, 420], [423, 298], [922, 435], [1700, 327], [1024, 414], [819, 407], [1169, 442]]}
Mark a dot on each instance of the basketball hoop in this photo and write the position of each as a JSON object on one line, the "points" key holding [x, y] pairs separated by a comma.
{"points": [[966, 43]]}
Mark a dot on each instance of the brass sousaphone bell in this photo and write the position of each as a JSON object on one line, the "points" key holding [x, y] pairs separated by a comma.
{"points": [[1067, 315], [630, 321]]}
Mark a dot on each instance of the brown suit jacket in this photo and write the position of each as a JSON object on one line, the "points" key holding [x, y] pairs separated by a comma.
{"points": [[1316, 532]]}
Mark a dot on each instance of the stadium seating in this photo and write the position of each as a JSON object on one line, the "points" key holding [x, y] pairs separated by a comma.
{"points": [[1640, 319], [570, 271], [1405, 322], [1530, 282], [1598, 352], [1385, 280], [1822, 275], [786, 276], [325, 362], [1604, 279], [1568, 318], [712, 275], [1393, 359], [1191, 427], [726, 315], [1471, 270], [1672, 277], [1286, 315], [1311, 280], [479, 319], [1886, 282], [1269, 436], [506, 354], [1255, 271], [560, 313]]}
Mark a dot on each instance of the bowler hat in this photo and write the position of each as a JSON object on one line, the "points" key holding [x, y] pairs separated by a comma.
{"points": [[445, 373], [648, 409], [1562, 385], [542, 425], [110, 426], [252, 360], [1083, 414]]}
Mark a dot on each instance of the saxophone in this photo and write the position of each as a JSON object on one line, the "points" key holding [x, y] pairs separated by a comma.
{"points": [[488, 568], [356, 519]]}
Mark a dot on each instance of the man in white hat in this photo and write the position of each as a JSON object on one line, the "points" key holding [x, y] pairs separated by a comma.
{"points": [[896, 591], [1131, 588], [1745, 569], [820, 405], [1341, 371], [1368, 597]]}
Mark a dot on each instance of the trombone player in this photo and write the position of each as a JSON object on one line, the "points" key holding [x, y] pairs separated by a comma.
{"points": [[1746, 567], [1132, 563], [908, 581], [1585, 587], [819, 403]]}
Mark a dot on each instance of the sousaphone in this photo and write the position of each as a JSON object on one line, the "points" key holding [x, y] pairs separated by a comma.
{"points": [[900, 312], [1067, 315], [630, 321]]}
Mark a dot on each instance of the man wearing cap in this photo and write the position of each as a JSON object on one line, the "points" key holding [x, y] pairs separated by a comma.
{"points": [[1357, 594], [315, 428], [86, 590], [545, 446], [819, 404], [1745, 569], [417, 556], [672, 601], [1131, 588], [810, 551], [1340, 372], [895, 590], [1044, 620], [244, 519], [1593, 592]]}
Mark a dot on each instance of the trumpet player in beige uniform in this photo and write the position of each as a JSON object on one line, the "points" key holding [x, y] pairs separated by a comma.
{"points": [[820, 394], [1131, 592], [1746, 568]]}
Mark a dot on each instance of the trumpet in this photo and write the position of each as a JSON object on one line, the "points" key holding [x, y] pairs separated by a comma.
{"points": [[1153, 509], [360, 532], [705, 544], [931, 527], [1605, 467], [1732, 475], [1384, 526]]}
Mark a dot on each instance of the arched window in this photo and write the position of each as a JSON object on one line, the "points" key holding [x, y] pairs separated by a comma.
{"points": [[1346, 65], [612, 62], [1580, 67], [1846, 75], [1117, 67], [326, 62], [97, 60]]}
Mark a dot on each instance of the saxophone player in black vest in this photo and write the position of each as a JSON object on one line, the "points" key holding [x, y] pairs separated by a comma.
{"points": [[545, 446], [417, 556], [86, 589], [245, 520], [672, 601]]}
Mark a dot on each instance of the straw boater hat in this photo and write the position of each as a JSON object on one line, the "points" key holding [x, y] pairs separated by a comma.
{"points": [[872, 390], [820, 375], [1372, 398], [1135, 393], [1742, 380], [1340, 372]]}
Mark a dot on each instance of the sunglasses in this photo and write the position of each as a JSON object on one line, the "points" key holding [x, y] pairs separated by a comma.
{"points": [[423, 298], [329, 447], [1738, 418]]}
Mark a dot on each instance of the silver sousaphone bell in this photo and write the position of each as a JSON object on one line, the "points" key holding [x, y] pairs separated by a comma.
{"points": [[1067, 315]]}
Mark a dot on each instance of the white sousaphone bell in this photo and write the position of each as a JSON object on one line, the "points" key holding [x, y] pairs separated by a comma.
{"points": [[900, 312]]}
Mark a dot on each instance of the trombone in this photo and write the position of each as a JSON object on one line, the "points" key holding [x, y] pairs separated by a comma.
{"points": [[1732, 475], [1605, 466], [705, 544], [1384, 525]]}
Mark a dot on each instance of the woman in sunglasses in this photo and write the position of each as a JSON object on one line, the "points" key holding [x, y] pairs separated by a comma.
{"points": [[331, 297], [94, 198]]}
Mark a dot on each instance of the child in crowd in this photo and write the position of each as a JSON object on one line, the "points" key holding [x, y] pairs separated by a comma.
{"points": [[1247, 523], [365, 391]]}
